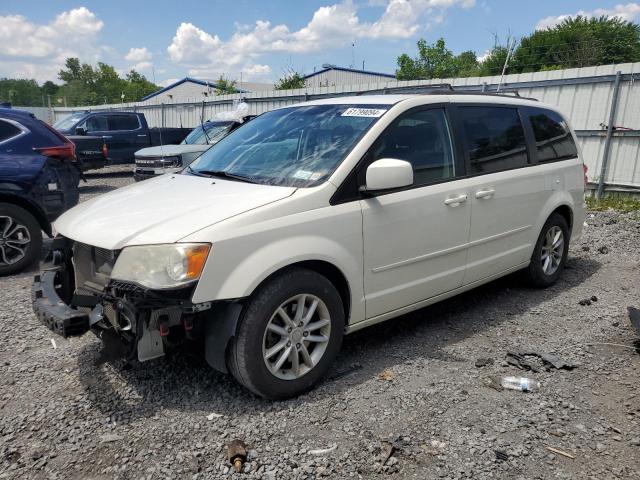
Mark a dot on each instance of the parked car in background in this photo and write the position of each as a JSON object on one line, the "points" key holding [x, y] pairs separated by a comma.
{"points": [[154, 161], [38, 181], [124, 132], [316, 220], [91, 152]]}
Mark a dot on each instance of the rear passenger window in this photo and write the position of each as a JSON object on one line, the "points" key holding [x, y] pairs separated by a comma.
{"points": [[123, 122], [553, 138], [495, 139], [7, 130], [422, 139]]}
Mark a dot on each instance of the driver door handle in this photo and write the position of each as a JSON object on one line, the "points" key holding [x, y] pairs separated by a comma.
{"points": [[488, 193], [455, 201]]}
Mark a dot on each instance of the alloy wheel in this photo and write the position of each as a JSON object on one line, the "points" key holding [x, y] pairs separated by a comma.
{"points": [[14, 240], [296, 337], [552, 250]]}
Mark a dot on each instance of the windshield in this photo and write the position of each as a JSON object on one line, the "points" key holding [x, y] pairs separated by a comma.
{"points": [[295, 146], [68, 122], [215, 132]]}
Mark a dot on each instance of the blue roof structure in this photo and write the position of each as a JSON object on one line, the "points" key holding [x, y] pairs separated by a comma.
{"points": [[187, 79], [353, 70]]}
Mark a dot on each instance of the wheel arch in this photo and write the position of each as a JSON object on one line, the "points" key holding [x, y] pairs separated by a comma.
{"points": [[29, 207]]}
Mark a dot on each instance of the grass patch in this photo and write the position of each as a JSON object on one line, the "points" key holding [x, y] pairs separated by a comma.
{"points": [[623, 204]]}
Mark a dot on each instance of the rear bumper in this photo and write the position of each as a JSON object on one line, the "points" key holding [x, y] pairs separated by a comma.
{"points": [[56, 315]]}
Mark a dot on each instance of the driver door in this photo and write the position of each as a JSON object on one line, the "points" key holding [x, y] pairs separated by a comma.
{"points": [[415, 239]]}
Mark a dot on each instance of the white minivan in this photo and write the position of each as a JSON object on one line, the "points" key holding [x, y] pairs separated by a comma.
{"points": [[316, 220]]}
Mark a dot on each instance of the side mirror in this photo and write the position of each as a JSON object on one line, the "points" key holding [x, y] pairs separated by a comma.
{"points": [[81, 131], [389, 173]]}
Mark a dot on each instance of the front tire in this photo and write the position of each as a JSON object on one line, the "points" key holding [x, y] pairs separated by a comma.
{"points": [[20, 239], [288, 335], [550, 253]]}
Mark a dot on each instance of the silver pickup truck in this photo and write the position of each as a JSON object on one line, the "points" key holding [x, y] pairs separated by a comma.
{"points": [[154, 161]]}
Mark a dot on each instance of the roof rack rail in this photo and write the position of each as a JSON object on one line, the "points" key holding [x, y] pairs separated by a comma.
{"points": [[444, 89]]}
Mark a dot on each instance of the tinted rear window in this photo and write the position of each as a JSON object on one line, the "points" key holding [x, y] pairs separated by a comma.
{"points": [[495, 139], [7, 130], [123, 122], [553, 138]]}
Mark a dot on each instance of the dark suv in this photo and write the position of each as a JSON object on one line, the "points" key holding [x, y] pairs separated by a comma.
{"points": [[38, 182]]}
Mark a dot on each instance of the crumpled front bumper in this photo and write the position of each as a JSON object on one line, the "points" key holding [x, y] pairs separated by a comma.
{"points": [[52, 311]]}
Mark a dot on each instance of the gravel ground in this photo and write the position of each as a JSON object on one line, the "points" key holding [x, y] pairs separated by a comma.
{"points": [[406, 399]]}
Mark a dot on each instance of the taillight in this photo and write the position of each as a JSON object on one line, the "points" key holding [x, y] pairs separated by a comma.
{"points": [[585, 169], [105, 150], [65, 151]]}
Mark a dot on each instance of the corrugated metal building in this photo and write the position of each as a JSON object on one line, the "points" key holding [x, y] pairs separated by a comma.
{"points": [[331, 76], [191, 89]]}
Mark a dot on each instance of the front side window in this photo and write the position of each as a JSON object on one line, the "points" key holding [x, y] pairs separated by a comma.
{"points": [[553, 138], [422, 139], [8, 131], [97, 123], [495, 139], [123, 122], [68, 122], [208, 133], [294, 146]]}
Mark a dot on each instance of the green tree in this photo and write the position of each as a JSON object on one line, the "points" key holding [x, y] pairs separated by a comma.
{"points": [[578, 42], [290, 80], [493, 63], [224, 86], [137, 86], [436, 61], [20, 92]]}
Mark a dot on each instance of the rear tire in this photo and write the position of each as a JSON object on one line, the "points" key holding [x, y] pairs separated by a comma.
{"points": [[550, 253], [284, 342], [20, 239]]}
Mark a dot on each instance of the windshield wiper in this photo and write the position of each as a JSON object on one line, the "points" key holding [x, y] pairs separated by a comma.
{"points": [[221, 173]]}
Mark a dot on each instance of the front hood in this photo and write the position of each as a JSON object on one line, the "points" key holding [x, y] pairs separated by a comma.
{"points": [[162, 210], [169, 150]]}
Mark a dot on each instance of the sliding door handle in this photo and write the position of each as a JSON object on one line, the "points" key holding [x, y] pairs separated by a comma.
{"points": [[488, 193]]}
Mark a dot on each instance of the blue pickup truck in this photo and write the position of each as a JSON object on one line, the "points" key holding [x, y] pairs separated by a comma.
{"points": [[123, 132]]}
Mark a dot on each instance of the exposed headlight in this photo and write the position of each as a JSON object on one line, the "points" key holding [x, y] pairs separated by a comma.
{"points": [[161, 266], [174, 161]]}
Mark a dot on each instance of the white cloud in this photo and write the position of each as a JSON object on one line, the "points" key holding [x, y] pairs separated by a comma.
{"points": [[331, 26], [628, 12], [38, 51], [140, 57]]}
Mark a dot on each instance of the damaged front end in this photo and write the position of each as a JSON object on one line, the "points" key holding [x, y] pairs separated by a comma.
{"points": [[75, 293]]}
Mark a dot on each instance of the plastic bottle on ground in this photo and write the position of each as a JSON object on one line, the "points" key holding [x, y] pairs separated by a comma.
{"points": [[520, 383]]}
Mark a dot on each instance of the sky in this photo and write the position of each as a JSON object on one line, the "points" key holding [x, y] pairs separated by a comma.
{"points": [[260, 40]]}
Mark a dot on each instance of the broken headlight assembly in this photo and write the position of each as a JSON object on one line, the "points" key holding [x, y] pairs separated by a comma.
{"points": [[161, 266]]}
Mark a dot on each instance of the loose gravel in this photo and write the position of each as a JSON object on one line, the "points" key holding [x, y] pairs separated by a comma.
{"points": [[410, 398]]}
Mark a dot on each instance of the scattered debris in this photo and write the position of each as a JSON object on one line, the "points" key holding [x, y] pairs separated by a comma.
{"points": [[522, 384], [560, 452], [237, 452], [557, 433], [387, 452], [213, 415], [323, 451], [585, 248], [517, 359], [634, 318], [483, 362], [386, 375], [53, 344], [593, 298], [603, 250], [501, 455], [585, 302], [636, 348], [110, 437]]}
